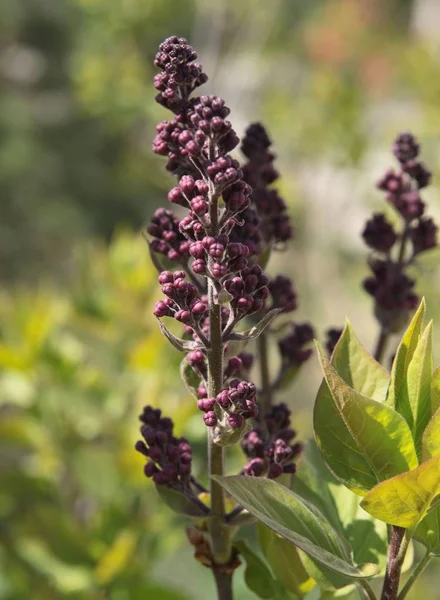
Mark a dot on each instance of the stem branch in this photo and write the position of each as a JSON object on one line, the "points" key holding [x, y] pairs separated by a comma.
{"points": [[381, 344], [266, 388], [415, 575]]}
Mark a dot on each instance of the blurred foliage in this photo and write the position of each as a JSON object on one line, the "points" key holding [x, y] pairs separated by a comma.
{"points": [[74, 366], [334, 80]]}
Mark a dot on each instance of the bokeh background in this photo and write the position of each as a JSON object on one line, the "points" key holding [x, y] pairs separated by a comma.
{"points": [[80, 353]]}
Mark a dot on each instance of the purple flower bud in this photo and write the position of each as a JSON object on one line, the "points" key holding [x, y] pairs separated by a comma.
{"points": [[379, 234], [235, 421], [210, 419], [254, 468]]}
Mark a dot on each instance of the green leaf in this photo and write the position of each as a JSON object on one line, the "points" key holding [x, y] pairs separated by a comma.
{"points": [[295, 520], [179, 503], [257, 576], [418, 411], [362, 441], [405, 499], [285, 562], [397, 393], [355, 365], [179, 343], [435, 391], [257, 330], [428, 531], [367, 536], [431, 437], [191, 378]]}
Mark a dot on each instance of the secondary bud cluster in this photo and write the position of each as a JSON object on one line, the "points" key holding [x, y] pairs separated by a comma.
{"points": [[282, 294], [234, 405], [182, 299], [269, 445], [260, 173], [168, 240], [293, 347], [169, 458], [390, 286], [248, 291]]}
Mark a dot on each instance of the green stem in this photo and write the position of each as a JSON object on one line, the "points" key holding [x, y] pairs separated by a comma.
{"points": [[266, 387], [415, 575], [218, 529], [224, 584], [367, 590], [396, 555]]}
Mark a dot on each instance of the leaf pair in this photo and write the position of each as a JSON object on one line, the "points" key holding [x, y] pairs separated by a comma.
{"points": [[298, 521], [362, 439]]}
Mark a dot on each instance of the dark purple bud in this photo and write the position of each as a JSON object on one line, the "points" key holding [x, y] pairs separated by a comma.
{"points": [[379, 234]]}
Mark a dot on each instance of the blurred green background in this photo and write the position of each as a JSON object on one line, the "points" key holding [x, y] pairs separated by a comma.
{"points": [[80, 353]]}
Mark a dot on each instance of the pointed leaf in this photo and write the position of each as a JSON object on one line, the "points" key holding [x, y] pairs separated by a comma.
{"points": [[295, 520], [257, 576], [435, 391], [362, 441], [367, 536], [257, 330], [418, 411], [431, 438], [179, 343], [358, 368], [397, 393], [405, 499], [285, 562]]}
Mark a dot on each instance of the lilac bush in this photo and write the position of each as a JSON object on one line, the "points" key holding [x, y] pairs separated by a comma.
{"points": [[211, 256]]}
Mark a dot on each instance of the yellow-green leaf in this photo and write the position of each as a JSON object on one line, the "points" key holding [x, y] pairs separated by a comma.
{"points": [[405, 352], [418, 410], [362, 441], [435, 390], [431, 437], [405, 499], [355, 365]]}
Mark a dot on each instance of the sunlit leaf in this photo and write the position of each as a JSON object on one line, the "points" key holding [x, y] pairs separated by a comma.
{"points": [[362, 441], [418, 411], [397, 393], [355, 365], [405, 499], [431, 437]]}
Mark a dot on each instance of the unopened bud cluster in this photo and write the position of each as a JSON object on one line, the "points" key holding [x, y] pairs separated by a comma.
{"points": [[269, 445], [169, 458], [394, 250]]}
